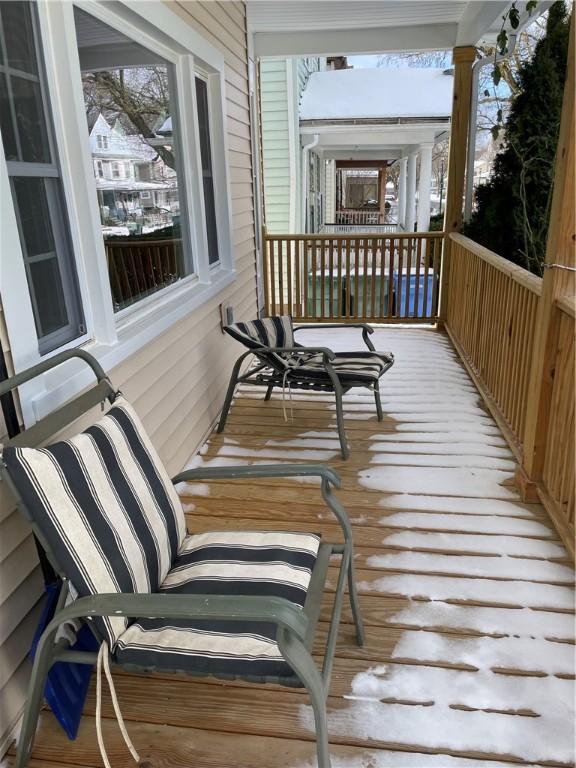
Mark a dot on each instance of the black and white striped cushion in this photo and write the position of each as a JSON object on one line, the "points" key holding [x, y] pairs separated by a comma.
{"points": [[269, 332], [350, 366], [275, 564], [105, 506]]}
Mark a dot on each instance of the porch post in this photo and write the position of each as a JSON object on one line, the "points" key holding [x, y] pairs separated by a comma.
{"points": [[424, 187], [330, 205], [463, 58], [402, 192], [556, 283], [411, 193], [382, 178]]}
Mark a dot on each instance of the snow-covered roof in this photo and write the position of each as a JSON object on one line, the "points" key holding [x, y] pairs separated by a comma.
{"points": [[373, 93]]}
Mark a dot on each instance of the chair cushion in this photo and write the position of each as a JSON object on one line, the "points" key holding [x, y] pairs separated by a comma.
{"points": [[269, 332], [350, 366], [274, 564], [105, 506]]}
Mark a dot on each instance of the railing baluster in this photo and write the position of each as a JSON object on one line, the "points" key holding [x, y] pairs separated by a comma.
{"points": [[266, 271], [305, 277], [408, 283], [416, 312], [435, 276], [331, 282], [321, 244], [373, 277], [383, 249], [290, 302], [400, 283], [338, 241], [356, 275], [272, 278], [427, 242], [280, 250], [348, 279]]}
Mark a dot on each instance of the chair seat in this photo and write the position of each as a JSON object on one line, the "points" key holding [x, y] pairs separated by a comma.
{"points": [[350, 366], [255, 563]]}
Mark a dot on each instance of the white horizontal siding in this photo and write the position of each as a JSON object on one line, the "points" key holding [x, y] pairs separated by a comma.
{"points": [[275, 144]]}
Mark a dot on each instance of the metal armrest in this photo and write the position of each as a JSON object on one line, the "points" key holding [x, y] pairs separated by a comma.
{"points": [[263, 470], [276, 610], [366, 330]]}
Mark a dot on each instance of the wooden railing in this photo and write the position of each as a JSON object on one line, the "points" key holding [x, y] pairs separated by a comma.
{"points": [[491, 316], [356, 216], [359, 229], [140, 267], [366, 277], [558, 476]]}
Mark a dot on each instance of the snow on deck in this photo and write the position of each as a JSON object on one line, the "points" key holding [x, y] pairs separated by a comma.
{"points": [[484, 582], [466, 592]]}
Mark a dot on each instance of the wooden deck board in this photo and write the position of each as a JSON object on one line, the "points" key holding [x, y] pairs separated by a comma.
{"points": [[175, 721]]}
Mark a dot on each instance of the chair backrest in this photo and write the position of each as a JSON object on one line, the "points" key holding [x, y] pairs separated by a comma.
{"points": [[276, 331], [104, 506]]}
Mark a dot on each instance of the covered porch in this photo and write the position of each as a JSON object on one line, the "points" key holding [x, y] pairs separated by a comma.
{"points": [[467, 592]]}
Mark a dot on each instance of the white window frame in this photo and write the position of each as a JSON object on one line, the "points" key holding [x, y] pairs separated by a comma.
{"points": [[114, 337]]}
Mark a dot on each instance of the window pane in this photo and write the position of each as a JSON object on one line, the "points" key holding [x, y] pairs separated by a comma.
{"points": [[34, 215], [38, 200], [134, 136], [207, 178], [19, 36], [47, 286], [30, 120], [8, 137]]}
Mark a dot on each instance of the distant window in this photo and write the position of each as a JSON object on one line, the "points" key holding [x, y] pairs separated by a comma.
{"points": [[35, 179], [115, 170], [207, 174], [100, 169], [127, 173], [145, 195], [102, 142]]}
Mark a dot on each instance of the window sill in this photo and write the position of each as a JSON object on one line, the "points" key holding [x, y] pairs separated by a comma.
{"points": [[135, 331]]}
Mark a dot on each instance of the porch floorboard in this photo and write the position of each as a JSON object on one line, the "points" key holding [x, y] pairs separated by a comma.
{"points": [[467, 593]]}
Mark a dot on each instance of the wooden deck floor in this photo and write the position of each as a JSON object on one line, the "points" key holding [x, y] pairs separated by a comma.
{"points": [[466, 592]]}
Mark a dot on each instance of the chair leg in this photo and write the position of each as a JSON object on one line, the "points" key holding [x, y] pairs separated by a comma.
{"points": [[268, 394], [378, 402], [340, 421], [303, 665], [40, 669], [230, 394], [355, 603]]}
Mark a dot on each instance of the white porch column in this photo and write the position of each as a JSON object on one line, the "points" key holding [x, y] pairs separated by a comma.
{"points": [[424, 187], [330, 202], [411, 193], [402, 191]]}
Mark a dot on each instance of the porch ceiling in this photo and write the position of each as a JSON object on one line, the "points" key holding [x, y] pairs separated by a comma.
{"points": [[332, 27]]}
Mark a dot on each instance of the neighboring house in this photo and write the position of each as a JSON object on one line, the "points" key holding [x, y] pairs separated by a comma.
{"points": [[132, 181], [166, 351], [282, 82], [347, 118]]}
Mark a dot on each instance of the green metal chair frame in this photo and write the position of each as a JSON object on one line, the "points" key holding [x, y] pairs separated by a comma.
{"points": [[295, 626], [265, 373]]}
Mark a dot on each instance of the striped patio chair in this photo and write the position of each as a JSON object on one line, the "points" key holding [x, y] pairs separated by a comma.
{"points": [[284, 363], [226, 603]]}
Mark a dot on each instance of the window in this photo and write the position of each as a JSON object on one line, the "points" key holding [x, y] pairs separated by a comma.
{"points": [[145, 195], [148, 248], [100, 169], [207, 175], [37, 192], [102, 142]]}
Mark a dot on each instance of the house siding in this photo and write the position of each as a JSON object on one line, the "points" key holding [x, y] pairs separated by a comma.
{"points": [[176, 382], [276, 156]]}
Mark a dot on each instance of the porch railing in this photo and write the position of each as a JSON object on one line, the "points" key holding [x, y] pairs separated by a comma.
{"points": [[140, 267], [382, 278], [491, 318], [355, 216], [359, 229]]}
